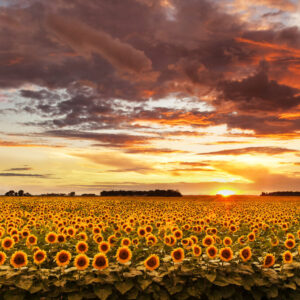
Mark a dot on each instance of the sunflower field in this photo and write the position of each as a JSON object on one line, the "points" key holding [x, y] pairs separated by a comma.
{"points": [[239, 247]]}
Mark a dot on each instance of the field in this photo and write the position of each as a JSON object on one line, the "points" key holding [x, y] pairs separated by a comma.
{"points": [[150, 248]]}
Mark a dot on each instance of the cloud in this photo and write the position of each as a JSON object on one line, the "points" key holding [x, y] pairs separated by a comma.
{"points": [[24, 175], [252, 150], [121, 162], [26, 144], [106, 139], [85, 39], [257, 94], [19, 169]]}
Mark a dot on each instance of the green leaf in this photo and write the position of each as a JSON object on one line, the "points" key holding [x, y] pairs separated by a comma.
{"points": [[36, 288], [103, 292], [124, 287], [24, 283], [272, 292], [211, 276], [10, 296], [291, 285], [144, 283], [132, 273], [74, 296], [133, 294]]}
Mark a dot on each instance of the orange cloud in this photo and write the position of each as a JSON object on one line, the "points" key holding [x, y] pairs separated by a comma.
{"points": [[17, 144], [296, 52]]}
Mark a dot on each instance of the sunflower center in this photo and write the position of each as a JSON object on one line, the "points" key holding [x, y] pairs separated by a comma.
{"points": [[177, 255], [124, 254], [39, 256], [151, 262], [268, 260], [100, 261], [226, 254], [81, 262], [19, 259], [63, 258]]}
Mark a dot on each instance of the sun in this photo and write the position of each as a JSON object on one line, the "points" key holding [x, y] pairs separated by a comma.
{"points": [[225, 193]]}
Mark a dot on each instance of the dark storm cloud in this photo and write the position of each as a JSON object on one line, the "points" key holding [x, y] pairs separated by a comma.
{"points": [[96, 53], [258, 93], [252, 150]]}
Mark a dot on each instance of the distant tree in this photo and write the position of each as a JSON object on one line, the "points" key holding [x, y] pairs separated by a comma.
{"points": [[10, 193], [20, 193], [72, 194]]}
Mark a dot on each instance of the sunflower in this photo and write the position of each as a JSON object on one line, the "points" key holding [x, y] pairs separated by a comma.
{"points": [[135, 241], [184, 242], [100, 261], [274, 241], [98, 238], [152, 239], [51, 238], [141, 232], [125, 242], [2, 258], [178, 234], [208, 241], [81, 262], [148, 228], [83, 236], [242, 240], [287, 257], [18, 259], [226, 254], [227, 241], [233, 228], [152, 262], [196, 250], [251, 237], [194, 239], [31, 240], [104, 247], [112, 240], [63, 258], [39, 257], [212, 252], [245, 254], [177, 255], [7, 243], [269, 260], [71, 231], [61, 238], [290, 236], [82, 247], [289, 243], [123, 255]]}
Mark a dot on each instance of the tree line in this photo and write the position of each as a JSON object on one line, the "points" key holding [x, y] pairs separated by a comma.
{"points": [[151, 193], [281, 193]]}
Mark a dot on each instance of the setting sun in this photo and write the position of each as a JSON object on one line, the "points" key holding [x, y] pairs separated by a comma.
{"points": [[226, 193]]}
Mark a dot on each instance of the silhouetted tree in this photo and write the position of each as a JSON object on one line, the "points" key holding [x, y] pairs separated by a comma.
{"points": [[20, 193], [10, 193], [281, 193], [72, 194], [151, 193]]}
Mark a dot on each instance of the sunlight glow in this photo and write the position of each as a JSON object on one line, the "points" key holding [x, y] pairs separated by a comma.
{"points": [[226, 193]]}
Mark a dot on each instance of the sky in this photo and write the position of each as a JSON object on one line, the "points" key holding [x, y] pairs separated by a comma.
{"points": [[194, 95]]}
